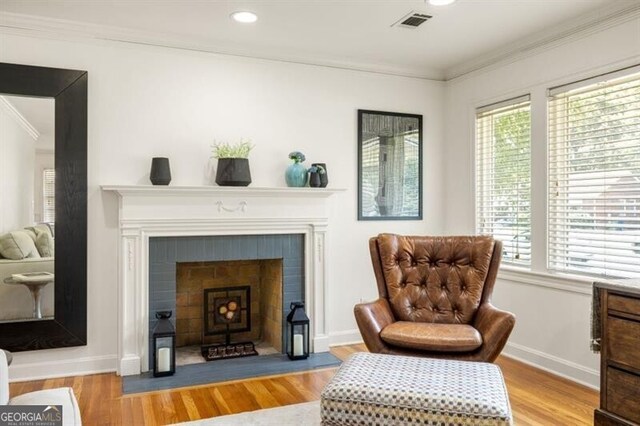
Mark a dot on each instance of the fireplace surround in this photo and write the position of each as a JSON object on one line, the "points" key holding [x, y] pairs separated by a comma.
{"points": [[182, 268], [194, 211]]}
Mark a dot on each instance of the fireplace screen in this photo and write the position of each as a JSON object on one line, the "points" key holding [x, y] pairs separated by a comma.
{"points": [[227, 310]]}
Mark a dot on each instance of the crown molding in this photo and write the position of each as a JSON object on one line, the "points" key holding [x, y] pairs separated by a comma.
{"points": [[19, 118], [37, 26], [599, 20]]}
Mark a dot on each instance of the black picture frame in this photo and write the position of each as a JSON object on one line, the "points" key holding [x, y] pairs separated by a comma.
{"points": [[369, 205], [69, 90]]}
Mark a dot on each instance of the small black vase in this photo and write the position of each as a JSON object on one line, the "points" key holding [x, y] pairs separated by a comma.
{"points": [[324, 177], [160, 172], [233, 172], [314, 180]]}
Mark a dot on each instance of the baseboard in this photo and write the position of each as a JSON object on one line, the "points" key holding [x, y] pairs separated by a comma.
{"points": [[560, 367], [346, 337], [130, 366], [321, 343], [62, 368]]}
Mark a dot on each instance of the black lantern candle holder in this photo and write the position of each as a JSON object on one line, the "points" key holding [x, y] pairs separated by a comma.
{"points": [[164, 346], [297, 332]]}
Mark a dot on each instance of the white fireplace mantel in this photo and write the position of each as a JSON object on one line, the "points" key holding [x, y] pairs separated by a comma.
{"points": [[161, 211]]}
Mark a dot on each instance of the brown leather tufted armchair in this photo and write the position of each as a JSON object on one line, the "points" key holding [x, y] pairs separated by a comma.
{"points": [[435, 298]]}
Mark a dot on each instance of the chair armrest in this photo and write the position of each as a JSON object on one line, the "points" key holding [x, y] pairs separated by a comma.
{"points": [[372, 318], [495, 326]]}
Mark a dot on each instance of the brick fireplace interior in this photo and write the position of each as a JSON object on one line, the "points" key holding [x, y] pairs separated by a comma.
{"points": [[264, 277]]}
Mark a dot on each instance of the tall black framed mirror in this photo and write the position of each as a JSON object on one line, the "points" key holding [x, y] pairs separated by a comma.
{"points": [[43, 214]]}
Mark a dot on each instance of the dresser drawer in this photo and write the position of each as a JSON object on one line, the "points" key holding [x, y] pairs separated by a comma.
{"points": [[623, 341], [623, 398], [624, 304]]}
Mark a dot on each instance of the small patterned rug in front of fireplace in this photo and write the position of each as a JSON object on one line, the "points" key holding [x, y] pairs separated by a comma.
{"points": [[227, 369]]}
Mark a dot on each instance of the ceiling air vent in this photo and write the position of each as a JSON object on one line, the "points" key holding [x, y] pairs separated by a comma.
{"points": [[412, 20]]}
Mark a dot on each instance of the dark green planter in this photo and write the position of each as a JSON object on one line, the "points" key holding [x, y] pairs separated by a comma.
{"points": [[233, 172]]}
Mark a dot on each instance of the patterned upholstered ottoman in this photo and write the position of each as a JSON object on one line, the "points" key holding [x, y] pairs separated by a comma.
{"points": [[374, 389]]}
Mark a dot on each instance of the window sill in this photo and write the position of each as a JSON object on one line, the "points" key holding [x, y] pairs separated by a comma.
{"points": [[563, 282]]}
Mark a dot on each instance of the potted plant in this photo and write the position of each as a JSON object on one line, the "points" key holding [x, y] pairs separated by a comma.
{"points": [[233, 163]]}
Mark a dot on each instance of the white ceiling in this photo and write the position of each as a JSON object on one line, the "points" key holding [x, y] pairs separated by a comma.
{"points": [[350, 33]]}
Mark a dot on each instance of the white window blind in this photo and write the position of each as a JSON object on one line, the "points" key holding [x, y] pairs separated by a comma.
{"points": [[594, 172], [48, 195], [503, 176]]}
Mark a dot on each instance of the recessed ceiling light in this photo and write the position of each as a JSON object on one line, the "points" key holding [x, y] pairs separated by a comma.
{"points": [[244, 17], [440, 2]]}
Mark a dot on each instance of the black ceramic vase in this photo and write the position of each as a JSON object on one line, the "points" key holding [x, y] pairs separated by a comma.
{"points": [[160, 172], [233, 172], [314, 180], [324, 177]]}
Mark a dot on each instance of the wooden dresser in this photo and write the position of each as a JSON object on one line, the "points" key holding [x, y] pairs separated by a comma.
{"points": [[620, 353]]}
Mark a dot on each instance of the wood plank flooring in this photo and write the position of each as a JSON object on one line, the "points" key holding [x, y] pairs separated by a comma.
{"points": [[537, 397]]}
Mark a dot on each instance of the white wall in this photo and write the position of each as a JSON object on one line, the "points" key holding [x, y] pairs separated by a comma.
{"points": [[552, 329], [17, 160], [146, 102]]}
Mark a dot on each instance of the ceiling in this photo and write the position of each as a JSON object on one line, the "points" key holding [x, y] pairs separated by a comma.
{"points": [[344, 33]]}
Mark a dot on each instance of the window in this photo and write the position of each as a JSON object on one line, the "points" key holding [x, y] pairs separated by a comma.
{"points": [[48, 195], [594, 177], [503, 176]]}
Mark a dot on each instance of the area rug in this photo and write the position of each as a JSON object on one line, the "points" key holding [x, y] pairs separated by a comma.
{"points": [[228, 369], [305, 414]]}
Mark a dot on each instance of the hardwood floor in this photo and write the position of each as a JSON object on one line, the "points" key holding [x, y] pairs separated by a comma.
{"points": [[537, 397]]}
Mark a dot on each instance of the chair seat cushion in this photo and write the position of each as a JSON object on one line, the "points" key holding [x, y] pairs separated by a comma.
{"points": [[432, 337]]}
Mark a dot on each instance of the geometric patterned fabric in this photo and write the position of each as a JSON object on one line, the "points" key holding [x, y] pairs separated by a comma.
{"points": [[381, 390]]}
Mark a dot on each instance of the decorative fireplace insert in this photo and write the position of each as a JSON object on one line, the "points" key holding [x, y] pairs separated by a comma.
{"points": [[227, 310]]}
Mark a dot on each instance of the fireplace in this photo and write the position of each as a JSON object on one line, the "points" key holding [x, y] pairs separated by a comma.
{"points": [[185, 270], [209, 216]]}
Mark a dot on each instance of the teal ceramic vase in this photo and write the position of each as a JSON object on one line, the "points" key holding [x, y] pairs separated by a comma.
{"points": [[296, 175]]}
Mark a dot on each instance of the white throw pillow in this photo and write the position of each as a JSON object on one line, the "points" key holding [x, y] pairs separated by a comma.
{"points": [[18, 245], [45, 244]]}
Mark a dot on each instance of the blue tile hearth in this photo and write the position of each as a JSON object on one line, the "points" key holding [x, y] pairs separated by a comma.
{"points": [[224, 370]]}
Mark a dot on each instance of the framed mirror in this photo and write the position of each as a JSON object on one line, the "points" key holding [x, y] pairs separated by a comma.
{"points": [[389, 166], [43, 214]]}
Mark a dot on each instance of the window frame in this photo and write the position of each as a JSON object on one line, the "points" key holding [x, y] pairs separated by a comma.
{"points": [[586, 85], [513, 101]]}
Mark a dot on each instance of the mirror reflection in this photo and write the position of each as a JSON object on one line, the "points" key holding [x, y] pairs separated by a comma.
{"points": [[27, 213]]}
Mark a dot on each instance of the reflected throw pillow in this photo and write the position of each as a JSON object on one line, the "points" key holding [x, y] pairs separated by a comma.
{"points": [[45, 245], [17, 245]]}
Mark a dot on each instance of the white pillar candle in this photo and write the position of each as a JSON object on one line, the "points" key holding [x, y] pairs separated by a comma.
{"points": [[164, 359], [298, 346]]}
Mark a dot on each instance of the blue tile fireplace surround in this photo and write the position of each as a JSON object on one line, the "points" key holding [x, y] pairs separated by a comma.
{"points": [[166, 252]]}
